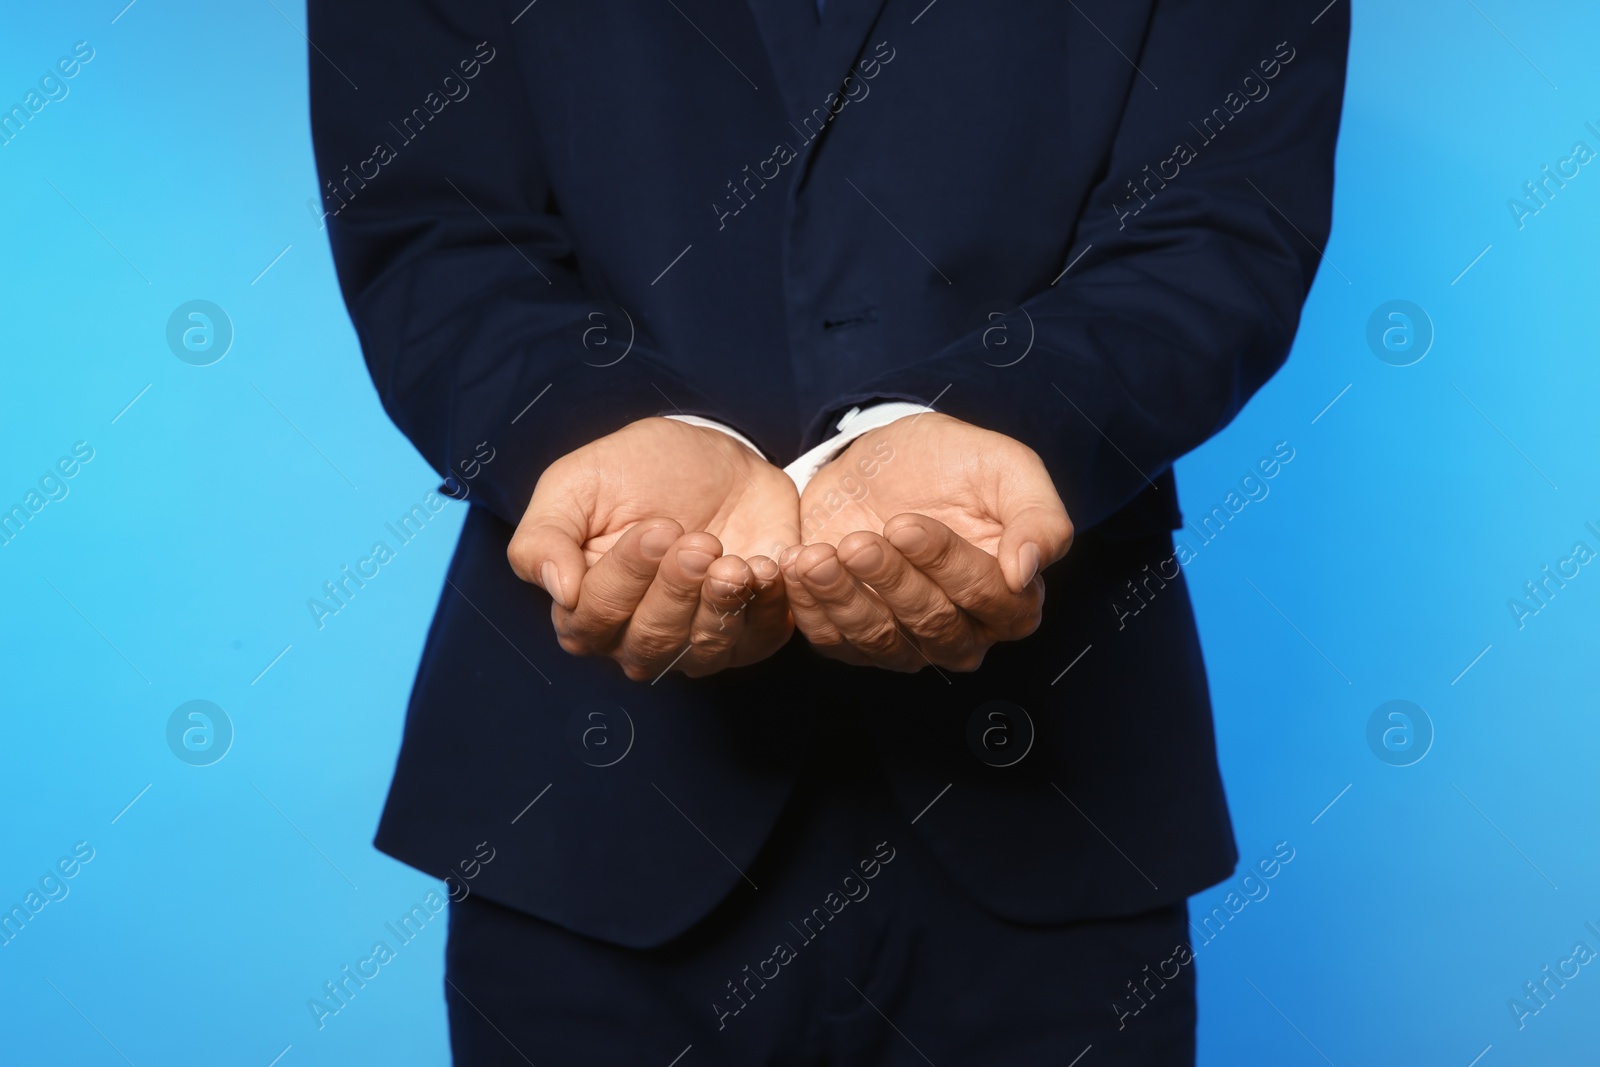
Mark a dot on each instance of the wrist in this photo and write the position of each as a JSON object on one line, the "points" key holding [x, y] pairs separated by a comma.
{"points": [[703, 423], [854, 424]]}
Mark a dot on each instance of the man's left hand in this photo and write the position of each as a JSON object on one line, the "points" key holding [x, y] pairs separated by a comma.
{"points": [[934, 557]]}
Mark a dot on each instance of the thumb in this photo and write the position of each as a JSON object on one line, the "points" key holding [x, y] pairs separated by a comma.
{"points": [[1034, 536], [547, 550]]}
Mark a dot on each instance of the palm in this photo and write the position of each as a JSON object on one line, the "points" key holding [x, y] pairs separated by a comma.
{"points": [[925, 542], [703, 479], [940, 468], [647, 542]]}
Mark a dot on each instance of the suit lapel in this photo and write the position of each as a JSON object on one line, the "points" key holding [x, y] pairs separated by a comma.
{"points": [[845, 25], [789, 30], [810, 61]]}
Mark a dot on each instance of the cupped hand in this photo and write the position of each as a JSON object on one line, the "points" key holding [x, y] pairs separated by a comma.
{"points": [[926, 543], [656, 545]]}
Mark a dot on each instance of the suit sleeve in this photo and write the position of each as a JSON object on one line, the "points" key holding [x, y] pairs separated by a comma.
{"points": [[1176, 314], [458, 273]]}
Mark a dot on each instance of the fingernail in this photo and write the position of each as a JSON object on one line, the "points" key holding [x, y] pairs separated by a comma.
{"points": [[694, 562], [725, 590], [654, 543], [1028, 559], [765, 569], [788, 557], [551, 578], [866, 561], [825, 573], [909, 538]]}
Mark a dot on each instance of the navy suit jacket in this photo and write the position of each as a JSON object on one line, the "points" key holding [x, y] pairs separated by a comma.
{"points": [[1088, 225]]}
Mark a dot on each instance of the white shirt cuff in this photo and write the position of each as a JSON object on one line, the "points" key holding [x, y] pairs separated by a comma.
{"points": [[856, 422], [696, 420]]}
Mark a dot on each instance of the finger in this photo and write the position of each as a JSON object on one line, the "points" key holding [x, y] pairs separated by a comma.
{"points": [[547, 550], [916, 600], [1033, 539], [658, 632], [1035, 529], [809, 618], [767, 623], [611, 590], [862, 620], [969, 576], [719, 621]]}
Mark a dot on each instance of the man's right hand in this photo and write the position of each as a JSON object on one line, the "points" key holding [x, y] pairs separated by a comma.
{"points": [[605, 536]]}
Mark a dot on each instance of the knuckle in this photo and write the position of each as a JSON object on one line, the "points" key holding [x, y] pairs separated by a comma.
{"points": [[606, 605], [587, 626], [1023, 617], [825, 638], [635, 569], [1026, 624], [967, 660], [649, 643], [878, 642], [710, 644], [941, 622], [519, 553], [570, 634], [945, 549]]}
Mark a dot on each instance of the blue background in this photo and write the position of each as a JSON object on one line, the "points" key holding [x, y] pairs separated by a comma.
{"points": [[178, 566]]}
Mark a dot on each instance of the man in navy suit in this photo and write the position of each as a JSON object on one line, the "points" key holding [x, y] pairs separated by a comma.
{"points": [[783, 351]]}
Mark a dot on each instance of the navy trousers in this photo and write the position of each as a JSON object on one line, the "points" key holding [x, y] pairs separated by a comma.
{"points": [[844, 944]]}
